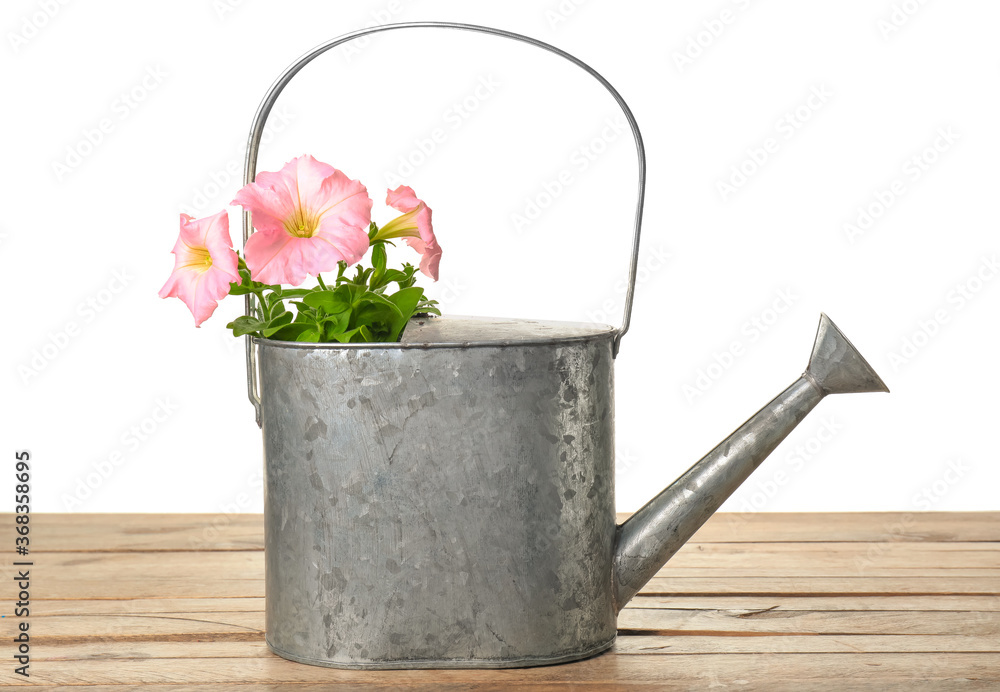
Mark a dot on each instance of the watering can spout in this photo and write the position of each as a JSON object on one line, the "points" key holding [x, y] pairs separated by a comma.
{"points": [[652, 535]]}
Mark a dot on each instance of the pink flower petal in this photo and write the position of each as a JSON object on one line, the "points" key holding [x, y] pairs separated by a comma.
{"points": [[345, 201], [430, 256], [272, 259], [405, 200], [351, 243], [204, 266], [267, 206], [300, 180], [306, 200]]}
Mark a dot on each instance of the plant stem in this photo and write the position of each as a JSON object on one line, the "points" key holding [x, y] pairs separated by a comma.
{"points": [[319, 277], [264, 312]]}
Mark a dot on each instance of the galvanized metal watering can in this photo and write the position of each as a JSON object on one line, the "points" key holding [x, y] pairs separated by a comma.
{"points": [[448, 501]]}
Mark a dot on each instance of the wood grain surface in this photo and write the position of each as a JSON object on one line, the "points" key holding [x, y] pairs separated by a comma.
{"points": [[762, 601]]}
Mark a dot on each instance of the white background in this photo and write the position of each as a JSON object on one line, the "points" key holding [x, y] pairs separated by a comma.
{"points": [[91, 354]]}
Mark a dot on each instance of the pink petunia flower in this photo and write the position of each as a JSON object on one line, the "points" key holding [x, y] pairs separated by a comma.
{"points": [[415, 226], [205, 265], [309, 216]]}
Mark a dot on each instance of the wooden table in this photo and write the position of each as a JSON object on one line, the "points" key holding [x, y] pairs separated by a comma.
{"points": [[753, 602]]}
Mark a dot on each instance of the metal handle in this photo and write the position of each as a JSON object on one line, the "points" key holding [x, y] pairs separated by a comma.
{"points": [[257, 131]]}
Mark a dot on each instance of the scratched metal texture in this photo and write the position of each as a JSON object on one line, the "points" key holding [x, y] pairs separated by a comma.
{"points": [[440, 506]]}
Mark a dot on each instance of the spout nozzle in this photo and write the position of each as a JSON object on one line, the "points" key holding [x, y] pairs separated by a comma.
{"points": [[836, 366], [653, 534]]}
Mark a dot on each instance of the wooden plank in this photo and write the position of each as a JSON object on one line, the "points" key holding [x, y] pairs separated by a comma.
{"points": [[177, 582], [819, 586], [712, 561], [126, 627], [153, 587], [133, 606], [741, 683], [249, 625], [808, 602], [735, 623], [770, 671], [46, 607], [805, 644], [124, 532], [146, 532], [875, 527], [640, 645], [223, 586]]}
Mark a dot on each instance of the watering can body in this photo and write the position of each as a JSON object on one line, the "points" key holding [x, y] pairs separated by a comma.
{"points": [[444, 505]]}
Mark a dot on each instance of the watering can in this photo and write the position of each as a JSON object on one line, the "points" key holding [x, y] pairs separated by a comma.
{"points": [[447, 501]]}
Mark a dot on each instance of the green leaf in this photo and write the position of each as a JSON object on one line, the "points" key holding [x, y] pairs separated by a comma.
{"points": [[245, 285], [310, 335], [408, 273], [392, 275], [335, 324], [372, 231], [291, 332], [346, 337], [331, 301], [376, 316], [276, 323], [349, 293], [406, 301], [379, 258], [244, 324], [273, 299], [381, 300]]}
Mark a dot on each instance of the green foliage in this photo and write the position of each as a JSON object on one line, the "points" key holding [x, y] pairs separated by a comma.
{"points": [[354, 309]]}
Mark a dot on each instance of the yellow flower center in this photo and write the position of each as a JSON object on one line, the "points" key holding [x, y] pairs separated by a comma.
{"points": [[302, 224], [404, 226], [198, 259]]}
